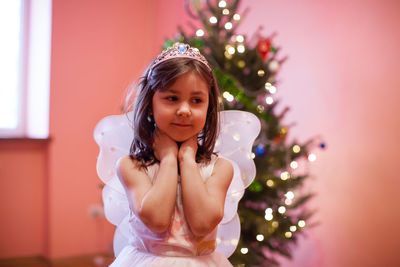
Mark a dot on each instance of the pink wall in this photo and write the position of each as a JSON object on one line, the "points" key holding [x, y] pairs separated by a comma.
{"points": [[97, 50], [23, 206], [340, 82]]}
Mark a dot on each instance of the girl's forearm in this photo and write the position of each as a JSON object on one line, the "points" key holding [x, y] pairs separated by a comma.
{"points": [[158, 203], [201, 210]]}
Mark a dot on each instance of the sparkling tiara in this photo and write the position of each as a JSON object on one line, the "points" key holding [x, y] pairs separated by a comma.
{"points": [[179, 50]]}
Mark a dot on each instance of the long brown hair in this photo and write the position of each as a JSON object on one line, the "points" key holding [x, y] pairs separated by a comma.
{"points": [[162, 76]]}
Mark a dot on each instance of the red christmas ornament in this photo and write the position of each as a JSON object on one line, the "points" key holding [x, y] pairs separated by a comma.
{"points": [[263, 47], [277, 139]]}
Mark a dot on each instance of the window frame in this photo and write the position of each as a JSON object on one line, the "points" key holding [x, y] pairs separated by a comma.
{"points": [[34, 72]]}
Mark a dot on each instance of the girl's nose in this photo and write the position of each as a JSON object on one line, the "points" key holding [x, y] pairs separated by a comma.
{"points": [[184, 110]]}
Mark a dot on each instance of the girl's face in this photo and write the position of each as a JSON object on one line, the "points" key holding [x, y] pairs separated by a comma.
{"points": [[181, 109]]}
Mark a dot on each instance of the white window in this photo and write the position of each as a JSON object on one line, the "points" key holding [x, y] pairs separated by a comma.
{"points": [[25, 38]]}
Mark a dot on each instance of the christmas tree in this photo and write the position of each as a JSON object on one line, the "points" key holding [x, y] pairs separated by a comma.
{"points": [[272, 212]]}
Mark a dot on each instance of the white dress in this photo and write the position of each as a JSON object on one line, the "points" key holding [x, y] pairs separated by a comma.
{"points": [[175, 247]]}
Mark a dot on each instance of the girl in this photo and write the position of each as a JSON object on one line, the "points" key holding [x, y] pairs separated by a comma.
{"points": [[175, 185]]}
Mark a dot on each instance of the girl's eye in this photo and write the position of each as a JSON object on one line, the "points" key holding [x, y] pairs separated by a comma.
{"points": [[171, 98], [197, 100]]}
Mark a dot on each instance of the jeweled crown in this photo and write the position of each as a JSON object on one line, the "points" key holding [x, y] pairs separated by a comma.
{"points": [[179, 50]]}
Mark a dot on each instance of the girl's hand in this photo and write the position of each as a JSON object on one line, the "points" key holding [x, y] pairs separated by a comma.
{"points": [[188, 149], [164, 146]]}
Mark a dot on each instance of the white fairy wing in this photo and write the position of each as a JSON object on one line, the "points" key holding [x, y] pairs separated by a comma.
{"points": [[114, 136], [238, 130]]}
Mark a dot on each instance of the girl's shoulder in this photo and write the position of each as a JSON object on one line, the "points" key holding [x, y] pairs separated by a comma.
{"points": [[217, 160], [223, 162], [129, 169], [127, 163], [216, 164], [223, 165]]}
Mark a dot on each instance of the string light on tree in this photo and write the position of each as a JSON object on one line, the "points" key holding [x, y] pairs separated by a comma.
{"points": [[230, 49], [268, 217], [228, 96], [312, 157], [241, 48], [228, 25], [296, 148], [213, 20], [301, 223], [281, 209], [285, 175], [236, 17], [227, 55], [289, 195], [272, 89], [294, 164], [200, 33], [269, 100], [241, 63], [260, 237], [244, 250], [268, 214], [289, 198], [240, 38], [225, 11], [273, 66], [270, 183], [222, 4]]}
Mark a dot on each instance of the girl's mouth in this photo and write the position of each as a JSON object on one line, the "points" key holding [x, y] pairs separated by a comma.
{"points": [[181, 124]]}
